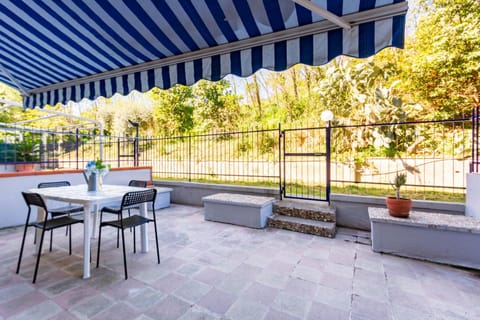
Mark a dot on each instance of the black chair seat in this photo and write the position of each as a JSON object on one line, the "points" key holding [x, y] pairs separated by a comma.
{"points": [[60, 211], [56, 223], [129, 222], [50, 223], [69, 209], [130, 200]]}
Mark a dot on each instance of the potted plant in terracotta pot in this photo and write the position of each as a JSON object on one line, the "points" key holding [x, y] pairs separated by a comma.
{"points": [[27, 155], [397, 206]]}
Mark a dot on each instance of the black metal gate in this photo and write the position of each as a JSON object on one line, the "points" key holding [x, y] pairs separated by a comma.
{"points": [[306, 163]]}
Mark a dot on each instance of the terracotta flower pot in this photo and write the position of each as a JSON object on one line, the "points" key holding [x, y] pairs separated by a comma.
{"points": [[399, 208]]}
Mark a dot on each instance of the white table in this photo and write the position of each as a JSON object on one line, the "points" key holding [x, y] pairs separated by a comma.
{"points": [[93, 199]]}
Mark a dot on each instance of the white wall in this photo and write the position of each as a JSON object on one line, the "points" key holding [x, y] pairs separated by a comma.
{"points": [[13, 210]]}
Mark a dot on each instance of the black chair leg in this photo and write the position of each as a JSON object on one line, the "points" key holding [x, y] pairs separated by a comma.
{"points": [[129, 216], [156, 241], [118, 234], [99, 240], [134, 241], [70, 243], [21, 248], [38, 256], [51, 239], [124, 255]]}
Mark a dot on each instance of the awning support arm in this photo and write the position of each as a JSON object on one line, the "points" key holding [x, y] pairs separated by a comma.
{"points": [[19, 86], [324, 13]]}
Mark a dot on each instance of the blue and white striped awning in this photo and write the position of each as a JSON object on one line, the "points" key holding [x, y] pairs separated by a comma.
{"points": [[66, 50]]}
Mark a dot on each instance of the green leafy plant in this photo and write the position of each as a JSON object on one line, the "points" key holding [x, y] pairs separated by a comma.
{"points": [[398, 182], [27, 151]]}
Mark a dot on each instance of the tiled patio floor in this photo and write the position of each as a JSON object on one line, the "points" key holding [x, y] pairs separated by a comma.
{"points": [[218, 271]]}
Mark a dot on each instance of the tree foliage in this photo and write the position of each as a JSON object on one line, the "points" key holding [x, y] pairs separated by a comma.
{"points": [[443, 57]]}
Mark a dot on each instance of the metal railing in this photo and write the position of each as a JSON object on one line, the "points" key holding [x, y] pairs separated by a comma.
{"points": [[436, 155]]}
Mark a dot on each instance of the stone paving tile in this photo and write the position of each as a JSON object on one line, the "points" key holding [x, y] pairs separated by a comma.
{"points": [[196, 313], [408, 313], [260, 293], [217, 301], [335, 282], [143, 298], [193, 290], [189, 269], [246, 310], [210, 276], [319, 311], [301, 288], [372, 290], [272, 279], [14, 291], [218, 271], [170, 282], [340, 270], [91, 307], [117, 311], [169, 308], [61, 287], [234, 285], [42, 311], [367, 308], [21, 303], [308, 274], [280, 267], [65, 315], [277, 315], [73, 297], [290, 304], [336, 298]]}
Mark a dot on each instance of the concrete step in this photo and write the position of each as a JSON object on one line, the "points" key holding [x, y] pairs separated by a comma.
{"points": [[319, 228], [314, 210]]}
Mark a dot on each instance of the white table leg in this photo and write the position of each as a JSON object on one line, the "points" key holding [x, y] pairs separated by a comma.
{"points": [[144, 228], [86, 241], [95, 221], [38, 232]]}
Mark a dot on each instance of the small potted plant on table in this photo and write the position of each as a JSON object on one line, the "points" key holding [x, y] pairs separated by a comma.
{"points": [[397, 206]]}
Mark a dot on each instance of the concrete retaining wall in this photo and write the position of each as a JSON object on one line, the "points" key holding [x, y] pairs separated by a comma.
{"points": [[352, 211], [191, 193]]}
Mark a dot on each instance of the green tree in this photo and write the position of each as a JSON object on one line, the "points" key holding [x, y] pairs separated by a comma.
{"points": [[216, 107], [443, 57], [173, 110]]}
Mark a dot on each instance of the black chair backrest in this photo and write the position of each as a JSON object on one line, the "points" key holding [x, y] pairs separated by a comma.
{"points": [[136, 197], [53, 184], [34, 199], [138, 183]]}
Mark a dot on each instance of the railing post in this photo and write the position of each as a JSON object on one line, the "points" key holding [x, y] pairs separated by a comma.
{"points": [[328, 132], [77, 145], [189, 157], [280, 160], [118, 152]]}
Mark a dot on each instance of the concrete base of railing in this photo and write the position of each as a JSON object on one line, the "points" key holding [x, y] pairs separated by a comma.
{"points": [[352, 211]]}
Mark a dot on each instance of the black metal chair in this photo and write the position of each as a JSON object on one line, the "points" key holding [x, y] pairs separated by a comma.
{"points": [[63, 210], [51, 222], [131, 183], [129, 200]]}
